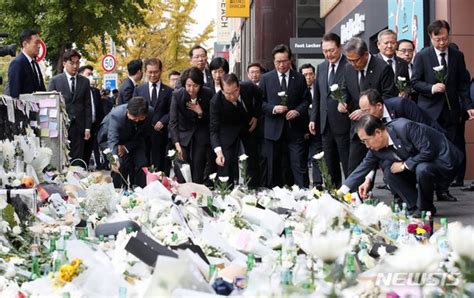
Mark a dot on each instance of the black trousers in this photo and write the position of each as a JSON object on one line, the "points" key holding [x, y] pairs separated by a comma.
{"points": [[91, 145], [336, 152], [76, 138], [196, 155], [159, 142], [416, 188], [131, 165], [314, 145]]}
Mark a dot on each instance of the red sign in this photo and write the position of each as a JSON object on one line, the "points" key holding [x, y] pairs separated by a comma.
{"points": [[109, 63], [42, 51]]}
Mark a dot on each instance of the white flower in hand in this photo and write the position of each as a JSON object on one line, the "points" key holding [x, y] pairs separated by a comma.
{"points": [[334, 87], [107, 151], [16, 230], [402, 79], [243, 157], [281, 93], [319, 155], [213, 176], [171, 153], [223, 179], [438, 68]]}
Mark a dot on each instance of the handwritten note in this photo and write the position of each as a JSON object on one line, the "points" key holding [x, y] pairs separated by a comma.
{"points": [[53, 113], [45, 132], [47, 103], [53, 133]]}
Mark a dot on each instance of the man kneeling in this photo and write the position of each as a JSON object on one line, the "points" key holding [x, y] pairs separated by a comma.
{"points": [[409, 154]]}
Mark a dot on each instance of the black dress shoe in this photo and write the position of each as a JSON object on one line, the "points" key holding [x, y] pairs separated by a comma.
{"points": [[416, 213], [446, 196], [457, 184]]}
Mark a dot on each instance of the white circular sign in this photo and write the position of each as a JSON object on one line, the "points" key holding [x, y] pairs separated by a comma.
{"points": [[109, 63], [42, 51]]}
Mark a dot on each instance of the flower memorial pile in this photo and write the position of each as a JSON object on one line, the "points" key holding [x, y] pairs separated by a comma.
{"points": [[87, 239]]}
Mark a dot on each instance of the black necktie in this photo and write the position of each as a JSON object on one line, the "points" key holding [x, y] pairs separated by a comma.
{"points": [[443, 61], [73, 85], [154, 95], [332, 74], [390, 63], [361, 80], [283, 82], [35, 71]]}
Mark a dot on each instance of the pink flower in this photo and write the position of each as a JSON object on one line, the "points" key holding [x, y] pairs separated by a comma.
{"points": [[412, 228]]}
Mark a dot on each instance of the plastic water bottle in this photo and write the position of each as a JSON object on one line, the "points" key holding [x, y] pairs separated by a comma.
{"points": [[288, 249], [442, 240], [301, 274]]}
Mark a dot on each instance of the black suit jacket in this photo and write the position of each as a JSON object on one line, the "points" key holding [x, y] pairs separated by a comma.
{"points": [[126, 90], [324, 106], [99, 108], [116, 129], [414, 143], [401, 67], [21, 78], [299, 99], [161, 107], [228, 121], [457, 81], [78, 106], [379, 75], [184, 123]]}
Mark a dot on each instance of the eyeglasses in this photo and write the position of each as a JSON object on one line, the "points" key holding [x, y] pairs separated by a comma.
{"points": [[406, 51], [281, 61], [353, 61]]}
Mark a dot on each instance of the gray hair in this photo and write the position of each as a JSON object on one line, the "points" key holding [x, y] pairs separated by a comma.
{"points": [[356, 44], [386, 32]]}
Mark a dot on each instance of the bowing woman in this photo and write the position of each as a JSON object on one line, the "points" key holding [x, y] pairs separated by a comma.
{"points": [[189, 122]]}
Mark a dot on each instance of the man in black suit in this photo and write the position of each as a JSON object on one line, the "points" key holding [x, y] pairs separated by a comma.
{"points": [[314, 141], [158, 96], [124, 131], [173, 78], [387, 44], [233, 121], [24, 74], [406, 51], [333, 126], [363, 71], [415, 157], [286, 118], [254, 72], [97, 114], [198, 57], [135, 74], [76, 92], [442, 101]]}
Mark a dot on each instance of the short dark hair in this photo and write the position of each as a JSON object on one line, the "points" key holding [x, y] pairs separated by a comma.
{"points": [[219, 62], [369, 124], [174, 73], [436, 26], [115, 91], [196, 47], [69, 54], [134, 66], [373, 96], [153, 61], [405, 40], [26, 35], [256, 64], [307, 65], [332, 37], [357, 45], [281, 48], [230, 78], [84, 67], [193, 73], [137, 106]]}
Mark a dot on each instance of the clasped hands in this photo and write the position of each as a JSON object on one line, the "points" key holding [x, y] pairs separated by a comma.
{"points": [[290, 114]]}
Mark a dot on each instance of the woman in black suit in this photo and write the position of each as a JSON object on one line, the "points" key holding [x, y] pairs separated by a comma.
{"points": [[189, 122]]}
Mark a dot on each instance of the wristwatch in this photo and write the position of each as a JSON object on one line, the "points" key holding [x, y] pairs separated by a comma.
{"points": [[403, 166]]}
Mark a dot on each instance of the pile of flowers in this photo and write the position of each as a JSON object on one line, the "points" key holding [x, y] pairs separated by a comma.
{"points": [[67, 273]]}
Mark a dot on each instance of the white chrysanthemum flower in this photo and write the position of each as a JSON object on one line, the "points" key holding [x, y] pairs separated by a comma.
{"points": [[402, 79], [107, 151], [16, 230], [461, 240], [334, 87], [213, 176], [319, 155], [243, 157], [3, 202], [416, 258], [281, 93], [171, 153], [224, 179], [438, 68], [328, 247]]}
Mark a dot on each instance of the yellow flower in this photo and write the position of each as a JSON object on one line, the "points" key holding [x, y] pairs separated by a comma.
{"points": [[420, 231], [76, 263], [348, 197]]}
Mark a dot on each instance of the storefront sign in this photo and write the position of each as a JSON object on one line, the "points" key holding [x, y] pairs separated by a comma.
{"points": [[305, 45], [353, 27], [237, 8]]}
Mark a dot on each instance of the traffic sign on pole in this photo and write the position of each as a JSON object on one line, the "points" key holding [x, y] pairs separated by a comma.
{"points": [[42, 51], [110, 81], [109, 63]]}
